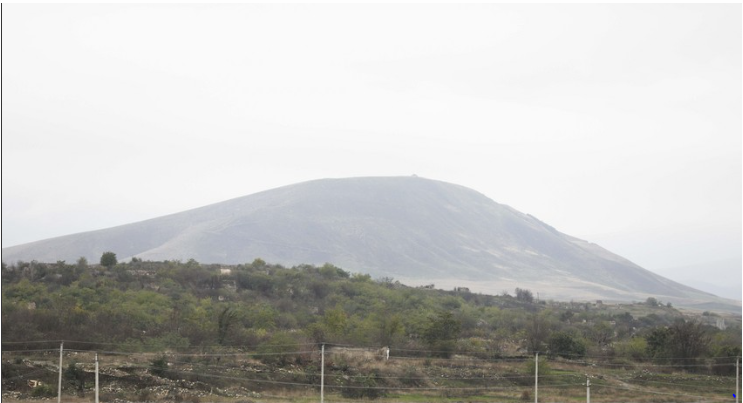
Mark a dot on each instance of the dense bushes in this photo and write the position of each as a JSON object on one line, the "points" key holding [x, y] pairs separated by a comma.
{"points": [[154, 306], [363, 387], [566, 345]]}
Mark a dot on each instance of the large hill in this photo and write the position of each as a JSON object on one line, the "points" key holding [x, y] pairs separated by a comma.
{"points": [[413, 229]]}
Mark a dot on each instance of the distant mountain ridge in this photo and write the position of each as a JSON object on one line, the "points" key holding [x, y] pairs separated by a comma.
{"points": [[410, 228]]}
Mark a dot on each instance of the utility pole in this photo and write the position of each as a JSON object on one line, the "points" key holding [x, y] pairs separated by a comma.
{"points": [[588, 390], [59, 384], [96, 377], [737, 359], [536, 377], [322, 374]]}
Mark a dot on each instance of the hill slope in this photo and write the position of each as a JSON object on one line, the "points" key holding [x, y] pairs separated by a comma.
{"points": [[409, 228]]}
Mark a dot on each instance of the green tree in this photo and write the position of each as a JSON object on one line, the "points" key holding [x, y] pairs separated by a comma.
{"points": [[261, 316], [441, 333], [684, 339], [524, 295], [279, 349], [688, 340], [565, 345], [82, 263], [657, 342], [390, 326], [226, 317], [258, 263], [601, 333], [108, 259], [316, 332], [652, 302], [335, 321]]}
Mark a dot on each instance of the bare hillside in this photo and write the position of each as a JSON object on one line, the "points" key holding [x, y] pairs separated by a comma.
{"points": [[414, 229]]}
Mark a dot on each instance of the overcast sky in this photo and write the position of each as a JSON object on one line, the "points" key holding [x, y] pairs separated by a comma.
{"points": [[619, 124]]}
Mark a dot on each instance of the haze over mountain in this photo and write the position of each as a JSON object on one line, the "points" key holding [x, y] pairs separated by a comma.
{"points": [[409, 228], [722, 277]]}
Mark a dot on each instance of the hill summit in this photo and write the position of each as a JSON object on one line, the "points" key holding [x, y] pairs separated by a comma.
{"points": [[413, 229]]}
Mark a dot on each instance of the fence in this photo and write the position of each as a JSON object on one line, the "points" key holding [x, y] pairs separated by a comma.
{"points": [[339, 373]]}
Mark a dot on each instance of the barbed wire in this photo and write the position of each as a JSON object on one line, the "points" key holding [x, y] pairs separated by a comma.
{"points": [[474, 378], [330, 351], [30, 351], [26, 375], [490, 377], [646, 391], [669, 383], [432, 379], [598, 364]]}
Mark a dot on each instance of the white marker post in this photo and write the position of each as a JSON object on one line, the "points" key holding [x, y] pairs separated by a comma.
{"points": [[322, 374], [536, 377], [96, 377], [59, 385]]}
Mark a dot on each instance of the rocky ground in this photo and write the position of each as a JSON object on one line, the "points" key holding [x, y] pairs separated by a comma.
{"points": [[241, 379]]}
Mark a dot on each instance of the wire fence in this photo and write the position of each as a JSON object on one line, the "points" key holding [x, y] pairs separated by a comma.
{"points": [[404, 371], [401, 352]]}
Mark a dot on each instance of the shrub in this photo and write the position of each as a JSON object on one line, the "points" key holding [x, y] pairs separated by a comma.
{"points": [[636, 348], [565, 345], [411, 377], [43, 391], [544, 368], [159, 366], [278, 349], [725, 360], [363, 387]]}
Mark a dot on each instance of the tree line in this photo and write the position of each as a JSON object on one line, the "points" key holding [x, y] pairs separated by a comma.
{"points": [[153, 306]]}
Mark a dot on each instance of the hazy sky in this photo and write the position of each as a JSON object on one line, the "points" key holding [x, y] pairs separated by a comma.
{"points": [[619, 124]]}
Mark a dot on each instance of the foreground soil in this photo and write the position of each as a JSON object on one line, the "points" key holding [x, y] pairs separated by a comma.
{"points": [[350, 375]]}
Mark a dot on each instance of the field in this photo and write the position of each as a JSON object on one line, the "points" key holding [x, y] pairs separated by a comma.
{"points": [[352, 374]]}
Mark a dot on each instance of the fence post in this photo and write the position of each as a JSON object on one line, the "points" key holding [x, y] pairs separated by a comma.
{"points": [[536, 377], [59, 385], [96, 378], [588, 390], [322, 374]]}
